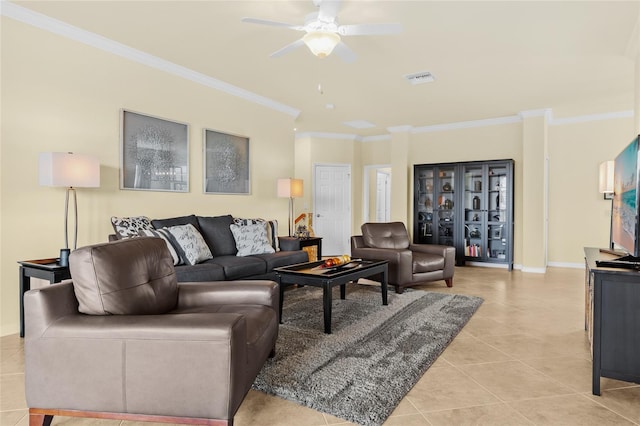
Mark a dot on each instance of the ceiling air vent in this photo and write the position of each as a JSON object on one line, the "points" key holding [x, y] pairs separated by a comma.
{"points": [[420, 77]]}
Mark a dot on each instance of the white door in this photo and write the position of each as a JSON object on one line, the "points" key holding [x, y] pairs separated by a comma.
{"points": [[332, 208], [383, 197]]}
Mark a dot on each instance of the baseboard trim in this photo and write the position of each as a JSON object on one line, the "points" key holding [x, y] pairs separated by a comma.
{"points": [[566, 265], [536, 270]]}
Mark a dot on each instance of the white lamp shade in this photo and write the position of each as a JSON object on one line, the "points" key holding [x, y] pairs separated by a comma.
{"points": [[290, 188], [68, 170], [321, 43], [605, 185]]}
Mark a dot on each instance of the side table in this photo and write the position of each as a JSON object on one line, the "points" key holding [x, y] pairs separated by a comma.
{"points": [[312, 241], [46, 269], [307, 242]]}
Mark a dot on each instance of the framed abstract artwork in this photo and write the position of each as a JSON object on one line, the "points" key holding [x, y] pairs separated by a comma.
{"points": [[154, 153], [226, 163]]}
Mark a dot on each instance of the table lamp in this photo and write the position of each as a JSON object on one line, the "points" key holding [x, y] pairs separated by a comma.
{"points": [[290, 188], [66, 169]]}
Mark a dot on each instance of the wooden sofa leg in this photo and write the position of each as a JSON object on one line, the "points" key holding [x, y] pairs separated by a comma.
{"points": [[449, 282], [40, 419], [273, 352], [399, 289]]}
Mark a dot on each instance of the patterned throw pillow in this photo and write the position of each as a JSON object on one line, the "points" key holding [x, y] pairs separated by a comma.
{"points": [[127, 227], [251, 239], [189, 244], [272, 229], [168, 239]]}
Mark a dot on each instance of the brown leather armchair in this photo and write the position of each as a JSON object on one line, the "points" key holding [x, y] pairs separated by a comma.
{"points": [[125, 341], [409, 264]]}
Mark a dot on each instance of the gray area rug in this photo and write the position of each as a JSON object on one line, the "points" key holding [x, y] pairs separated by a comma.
{"points": [[374, 356]]}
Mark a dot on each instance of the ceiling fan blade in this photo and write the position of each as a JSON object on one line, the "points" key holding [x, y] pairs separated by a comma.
{"points": [[369, 29], [272, 23], [344, 52], [288, 48], [328, 10]]}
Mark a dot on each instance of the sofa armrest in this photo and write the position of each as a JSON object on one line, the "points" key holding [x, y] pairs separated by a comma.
{"points": [[256, 292], [440, 250], [448, 252], [44, 306], [357, 241], [167, 327], [289, 243], [400, 261]]}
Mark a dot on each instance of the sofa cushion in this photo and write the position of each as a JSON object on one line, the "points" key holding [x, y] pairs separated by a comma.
{"points": [[426, 262], [283, 258], [176, 221], [133, 276], [127, 227], [190, 244], [202, 272], [217, 233], [251, 239], [168, 240], [391, 235], [240, 267]]}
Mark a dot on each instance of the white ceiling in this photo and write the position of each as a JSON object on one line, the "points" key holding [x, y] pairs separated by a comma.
{"points": [[490, 59]]}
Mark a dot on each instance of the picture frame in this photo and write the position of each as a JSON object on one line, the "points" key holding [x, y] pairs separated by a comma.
{"points": [[154, 153], [227, 168]]}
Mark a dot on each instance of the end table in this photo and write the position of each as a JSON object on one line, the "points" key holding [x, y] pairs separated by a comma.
{"points": [[307, 242], [46, 269]]}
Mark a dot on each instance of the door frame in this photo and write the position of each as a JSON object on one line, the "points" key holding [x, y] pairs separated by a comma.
{"points": [[365, 188]]}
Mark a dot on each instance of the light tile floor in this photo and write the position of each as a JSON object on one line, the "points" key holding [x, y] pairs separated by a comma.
{"points": [[523, 359]]}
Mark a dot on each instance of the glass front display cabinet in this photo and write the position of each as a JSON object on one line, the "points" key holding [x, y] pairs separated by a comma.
{"points": [[466, 205]]}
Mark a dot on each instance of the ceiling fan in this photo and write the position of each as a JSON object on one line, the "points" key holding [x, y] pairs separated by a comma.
{"points": [[323, 31]]}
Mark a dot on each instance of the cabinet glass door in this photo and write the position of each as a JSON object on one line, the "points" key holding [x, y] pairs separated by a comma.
{"points": [[475, 212], [444, 211], [424, 206], [499, 203]]}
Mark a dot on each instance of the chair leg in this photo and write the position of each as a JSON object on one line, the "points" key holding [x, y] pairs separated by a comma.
{"points": [[273, 352], [449, 282]]}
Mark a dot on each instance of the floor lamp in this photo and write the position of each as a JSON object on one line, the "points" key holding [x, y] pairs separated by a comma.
{"points": [[290, 188], [69, 170]]}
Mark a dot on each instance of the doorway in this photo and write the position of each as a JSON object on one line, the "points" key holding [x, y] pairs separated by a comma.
{"points": [[376, 200], [332, 207]]}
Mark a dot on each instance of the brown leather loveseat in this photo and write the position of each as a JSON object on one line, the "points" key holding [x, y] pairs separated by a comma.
{"points": [[124, 340], [409, 264]]}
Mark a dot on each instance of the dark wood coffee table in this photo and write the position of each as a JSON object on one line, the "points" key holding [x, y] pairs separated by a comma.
{"points": [[326, 278]]}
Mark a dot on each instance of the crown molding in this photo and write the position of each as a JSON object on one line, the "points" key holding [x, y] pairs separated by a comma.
{"points": [[327, 135], [44, 22], [544, 112], [548, 112], [376, 138], [400, 129], [591, 117], [468, 124]]}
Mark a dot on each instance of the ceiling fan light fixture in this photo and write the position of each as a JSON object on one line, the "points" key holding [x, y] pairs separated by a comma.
{"points": [[321, 43]]}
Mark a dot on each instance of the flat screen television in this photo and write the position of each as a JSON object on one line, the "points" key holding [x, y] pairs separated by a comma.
{"points": [[626, 204]]}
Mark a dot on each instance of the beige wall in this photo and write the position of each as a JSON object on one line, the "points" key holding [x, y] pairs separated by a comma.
{"points": [[578, 214], [60, 95], [498, 142]]}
